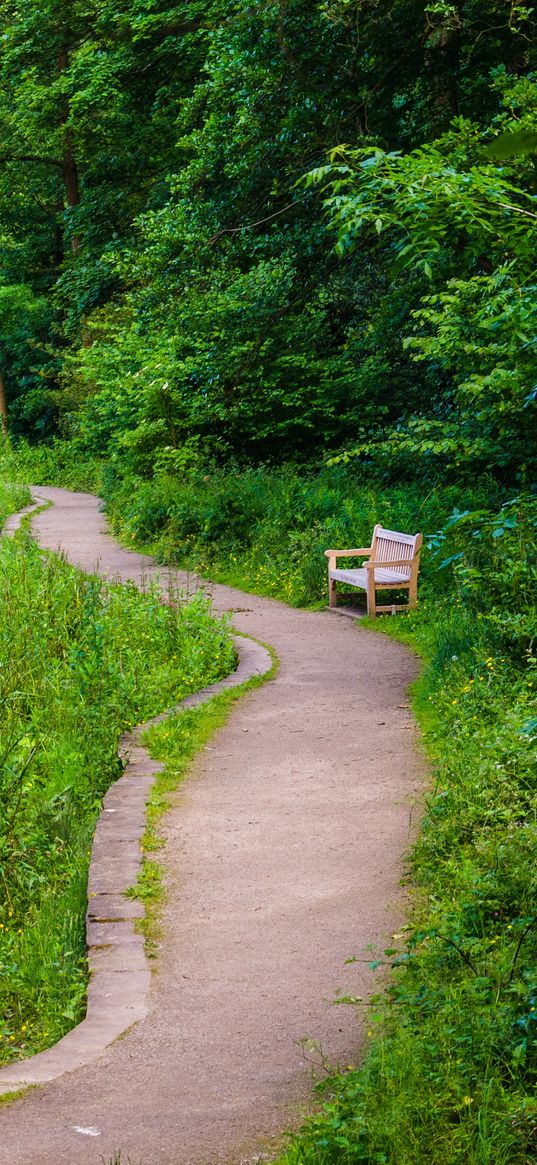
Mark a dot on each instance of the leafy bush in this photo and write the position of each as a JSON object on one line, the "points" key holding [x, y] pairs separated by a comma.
{"points": [[12, 498]]}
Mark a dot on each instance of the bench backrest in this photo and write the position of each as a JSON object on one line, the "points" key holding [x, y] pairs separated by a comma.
{"points": [[390, 545]]}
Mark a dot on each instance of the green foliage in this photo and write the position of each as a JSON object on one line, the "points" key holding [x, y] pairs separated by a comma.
{"points": [[12, 498], [175, 278], [87, 115], [269, 527], [105, 657], [25, 320], [464, 223], [493, 557], [58, 463], [251, 354]]}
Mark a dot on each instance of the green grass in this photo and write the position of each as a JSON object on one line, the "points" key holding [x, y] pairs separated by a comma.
{"points": [[60, 463], [79, 663], [12, 498]]}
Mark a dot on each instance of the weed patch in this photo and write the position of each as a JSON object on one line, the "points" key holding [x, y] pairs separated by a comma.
{"points": [[12, 498]]}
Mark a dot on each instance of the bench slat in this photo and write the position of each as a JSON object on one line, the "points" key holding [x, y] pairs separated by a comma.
{"points": [[358, 578]]}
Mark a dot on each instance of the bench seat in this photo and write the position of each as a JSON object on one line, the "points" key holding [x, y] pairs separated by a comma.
{"points": [[358, 578]]}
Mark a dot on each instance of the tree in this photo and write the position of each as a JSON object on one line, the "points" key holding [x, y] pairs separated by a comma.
{"points": [[466, 219]]}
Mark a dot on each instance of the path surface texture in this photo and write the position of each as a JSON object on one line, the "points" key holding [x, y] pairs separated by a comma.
{"points": [[283, 857]]}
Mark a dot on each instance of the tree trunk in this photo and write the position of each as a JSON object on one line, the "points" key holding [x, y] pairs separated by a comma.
{"points": [[3, 409], [441, 63]]}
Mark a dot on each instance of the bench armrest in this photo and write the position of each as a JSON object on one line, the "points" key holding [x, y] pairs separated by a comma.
{"points": [[360, 553]]}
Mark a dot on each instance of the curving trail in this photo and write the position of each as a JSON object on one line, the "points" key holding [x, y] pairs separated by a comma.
{"points": [[283, 858]]}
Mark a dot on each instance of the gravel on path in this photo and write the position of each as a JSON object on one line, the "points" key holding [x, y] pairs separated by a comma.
{"points": [[283, 858]]}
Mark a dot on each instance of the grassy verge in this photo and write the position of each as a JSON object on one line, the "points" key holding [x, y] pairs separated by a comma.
{"points": [[12, 498], [101, 658]]}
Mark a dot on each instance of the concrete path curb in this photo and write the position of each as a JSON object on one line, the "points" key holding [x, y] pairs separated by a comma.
{"points": [[119, 969]]}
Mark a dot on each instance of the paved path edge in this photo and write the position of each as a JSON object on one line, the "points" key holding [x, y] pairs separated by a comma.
{"points": [[120, 973]]}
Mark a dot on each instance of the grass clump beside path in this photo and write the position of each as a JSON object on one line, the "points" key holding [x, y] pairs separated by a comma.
{"points": [[80, 661], [12, 498]]}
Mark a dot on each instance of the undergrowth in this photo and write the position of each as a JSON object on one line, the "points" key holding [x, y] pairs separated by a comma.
{"points": [[80, 662], [12, 498], [60, 463], [267, 529]]}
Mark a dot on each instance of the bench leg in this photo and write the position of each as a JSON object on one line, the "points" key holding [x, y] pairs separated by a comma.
{"points": [[332, 592], [371, 604]]}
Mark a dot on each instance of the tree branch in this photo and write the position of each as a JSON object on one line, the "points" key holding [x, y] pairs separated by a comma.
{"points": [[250, 226], [32, 158]]}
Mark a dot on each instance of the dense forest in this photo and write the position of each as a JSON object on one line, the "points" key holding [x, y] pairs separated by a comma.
{"points": [[268, 276], [174, 178]]}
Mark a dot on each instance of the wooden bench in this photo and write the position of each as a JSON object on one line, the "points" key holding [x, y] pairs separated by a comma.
{"points": [[393, 561]]}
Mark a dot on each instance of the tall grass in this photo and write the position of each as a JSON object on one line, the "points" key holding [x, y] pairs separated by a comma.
{"points": [[61, 463], [12, 498], [80, 661]]}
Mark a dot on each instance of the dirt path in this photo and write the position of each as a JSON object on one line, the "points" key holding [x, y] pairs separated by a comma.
{"points": [[283, 858]]}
